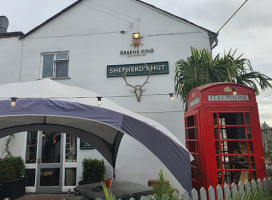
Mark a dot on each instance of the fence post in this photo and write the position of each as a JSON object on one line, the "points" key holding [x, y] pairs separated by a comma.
{"points": [[265, 186], [259, 184], [233, 190], [194, 194], [203, 194], [241, 190], [227, 192], [185, 196], [211, 193], [247, 188], [219, 193]]}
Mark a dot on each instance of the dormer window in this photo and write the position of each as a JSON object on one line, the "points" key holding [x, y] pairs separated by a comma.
{"points": [[55, 65]]}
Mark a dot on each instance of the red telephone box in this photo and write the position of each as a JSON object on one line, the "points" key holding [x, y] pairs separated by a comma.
{"points": [[223, 134]]}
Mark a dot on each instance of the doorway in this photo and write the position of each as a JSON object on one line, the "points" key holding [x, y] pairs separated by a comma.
{"points": [[44, 161]]}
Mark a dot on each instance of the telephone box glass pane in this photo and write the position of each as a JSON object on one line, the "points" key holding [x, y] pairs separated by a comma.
{"points": [[250, 147], [215, 118], [218, 162], [247, 119], [254, 175], [231, 119], [217, 148], [192, 147], [219, 177], [249, 133], [216, 133], [236, 176], [190, 121], [234, 147], [191, 134], [252, 162], [235, 162], [232, 133]]}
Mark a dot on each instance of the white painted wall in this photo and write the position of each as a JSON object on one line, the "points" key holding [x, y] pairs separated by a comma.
{"points": [[91, 33]]}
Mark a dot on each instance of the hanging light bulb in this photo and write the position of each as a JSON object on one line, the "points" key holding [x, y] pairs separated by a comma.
{"points": [[13, 101], [99, 102], [234, 92], [171, 96]]}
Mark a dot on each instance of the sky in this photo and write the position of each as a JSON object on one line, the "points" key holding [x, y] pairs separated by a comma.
{"points": [[248, 32]]}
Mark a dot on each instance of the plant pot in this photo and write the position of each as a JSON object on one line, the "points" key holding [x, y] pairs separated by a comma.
{"points": [[108, 182], [12, 188]]}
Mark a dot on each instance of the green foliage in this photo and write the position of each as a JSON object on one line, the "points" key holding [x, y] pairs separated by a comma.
{"points": [[163, 190], [11, 168], [7, 145], [253, 194], [108, 192], [93, 170], [200, 68]]}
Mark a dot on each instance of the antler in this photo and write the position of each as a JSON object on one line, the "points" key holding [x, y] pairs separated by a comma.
{"points": [[124, 77], [148, 68]]}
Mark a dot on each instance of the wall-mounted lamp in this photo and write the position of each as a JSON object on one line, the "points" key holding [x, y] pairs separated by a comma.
{"points": [[136, 35], [13, 101], [171, 96], [136, 39], [234, 92], [99, 100]]}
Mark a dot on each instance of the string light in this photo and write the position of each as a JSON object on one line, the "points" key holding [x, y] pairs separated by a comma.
{"points": [[13, 101], [171, 96], [99, 100]]}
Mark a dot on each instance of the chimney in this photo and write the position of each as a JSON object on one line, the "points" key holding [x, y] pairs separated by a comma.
{"points": [[3, 24]]}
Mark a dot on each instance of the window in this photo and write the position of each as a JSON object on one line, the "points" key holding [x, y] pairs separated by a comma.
{"points": [[55, 65]]}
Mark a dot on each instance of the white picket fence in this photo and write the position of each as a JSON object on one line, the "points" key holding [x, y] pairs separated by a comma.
{"points": [[230, 191]]}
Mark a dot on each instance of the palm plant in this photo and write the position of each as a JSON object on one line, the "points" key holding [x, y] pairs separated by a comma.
{"points": [[163, 190], [200, 68]]}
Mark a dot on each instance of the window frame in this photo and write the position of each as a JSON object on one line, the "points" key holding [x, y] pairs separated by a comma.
{"points": [[55, 61]]}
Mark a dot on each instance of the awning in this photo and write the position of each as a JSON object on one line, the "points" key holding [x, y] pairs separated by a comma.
{"points": [[48, 105]]}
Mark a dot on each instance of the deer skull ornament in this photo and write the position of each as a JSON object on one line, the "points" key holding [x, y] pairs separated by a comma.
{"points": [[138, 89]]}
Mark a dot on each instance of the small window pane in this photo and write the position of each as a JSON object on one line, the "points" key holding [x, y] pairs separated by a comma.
{"points": [[61, 69], [235, 162], [71, 148], [247, 119], [236, 176], [62, 56], [191, 134], [48, 63], [252, 162], [234, 147], [192, 147], [231, 119], [219, 177], [218, 162], [70, 176], [232, 133], [31, 147], [249, 133], [190, 121], [217, 147], [49, 177], [250, 147], [216, 133], [215, 118], [30, 177]]}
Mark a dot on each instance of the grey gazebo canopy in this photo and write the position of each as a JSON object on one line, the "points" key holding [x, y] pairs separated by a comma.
{"points": [[48, 105]]}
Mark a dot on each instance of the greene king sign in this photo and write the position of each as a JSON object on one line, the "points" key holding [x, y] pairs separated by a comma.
{"points": [[137, 69]]}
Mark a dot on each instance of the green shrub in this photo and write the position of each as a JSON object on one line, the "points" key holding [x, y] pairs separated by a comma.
{"points": [[93, 170], [11, 168]]}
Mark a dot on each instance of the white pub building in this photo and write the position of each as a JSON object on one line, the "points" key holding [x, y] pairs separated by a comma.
{"points": [[123, 50]]}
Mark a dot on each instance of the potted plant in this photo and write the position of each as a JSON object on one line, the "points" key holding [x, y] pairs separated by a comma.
{"points": [[93, 171], [12, 182]]}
